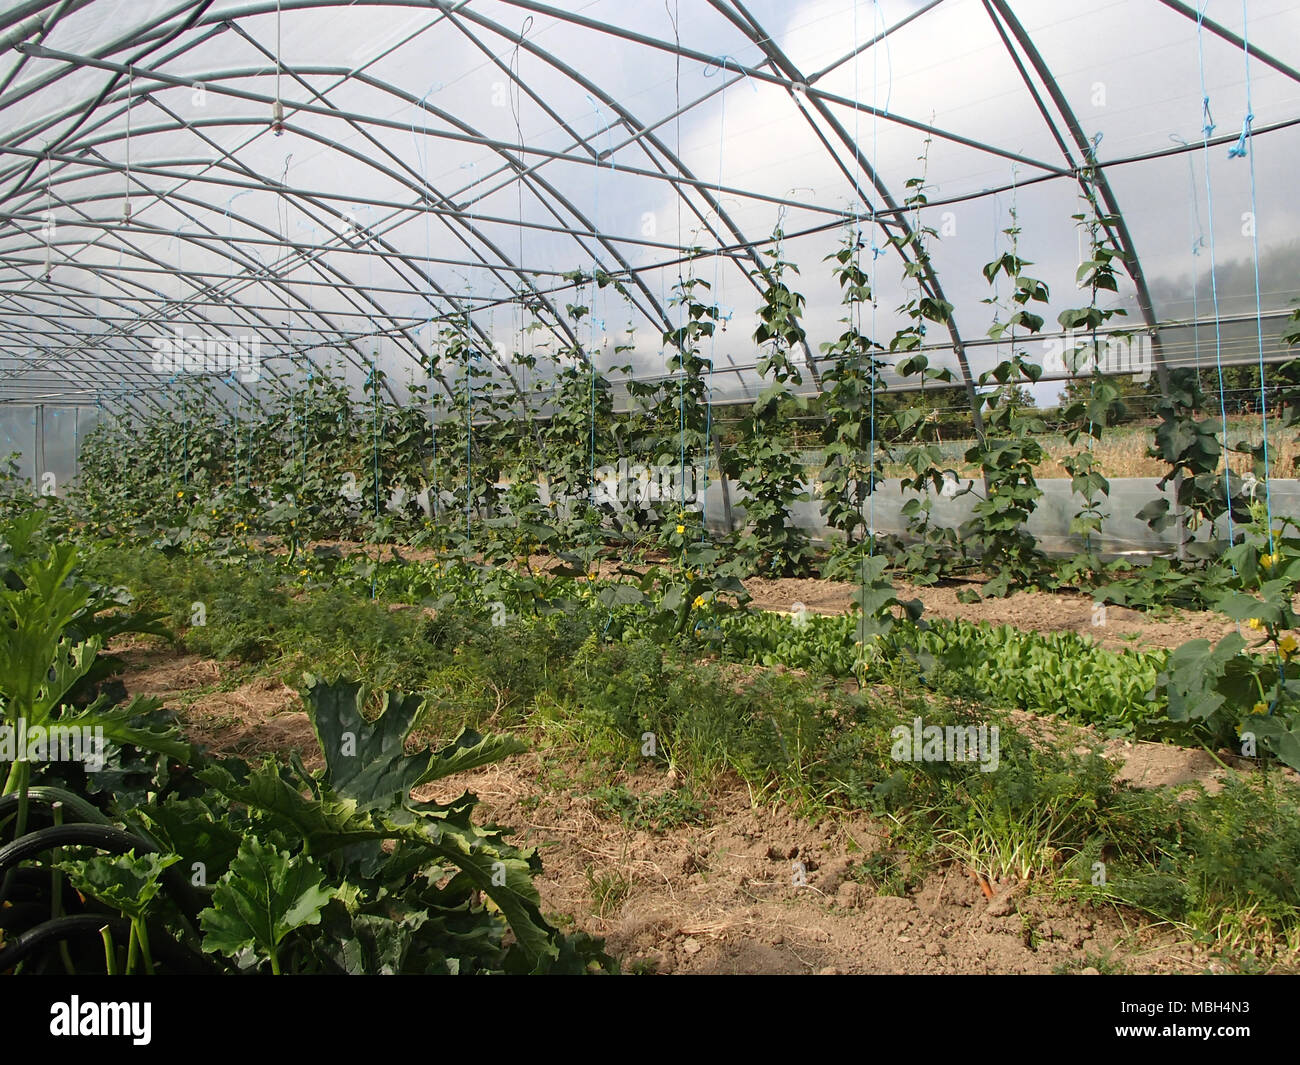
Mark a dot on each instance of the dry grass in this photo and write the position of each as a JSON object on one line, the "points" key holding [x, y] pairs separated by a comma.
{"points": [[1123, 452]]}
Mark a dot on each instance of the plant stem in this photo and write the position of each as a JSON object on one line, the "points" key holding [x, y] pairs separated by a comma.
{"points": [[141, 933], [56, 889], [110, 955], [132, 943]]}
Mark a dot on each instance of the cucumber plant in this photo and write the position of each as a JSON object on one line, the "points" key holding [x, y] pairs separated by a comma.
{"points": [[1088, 414], [768, 471], [1008, 451]]}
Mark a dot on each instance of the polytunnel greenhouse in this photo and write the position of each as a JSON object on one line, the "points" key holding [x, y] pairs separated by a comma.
{"points": [[483, 479]]}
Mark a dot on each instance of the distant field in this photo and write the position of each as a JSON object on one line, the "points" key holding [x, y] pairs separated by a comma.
{"points": [[1123, 452]]}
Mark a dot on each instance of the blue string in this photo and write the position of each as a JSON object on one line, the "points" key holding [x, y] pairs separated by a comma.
{"points": [[1198, 243], [1207, 129], [1237, 152]]}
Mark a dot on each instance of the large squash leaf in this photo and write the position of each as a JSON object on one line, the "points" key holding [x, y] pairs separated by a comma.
{"points": [[264, 896]]}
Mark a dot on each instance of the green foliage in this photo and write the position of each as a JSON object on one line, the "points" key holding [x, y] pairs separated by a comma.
{"points": [[1057, 674], [1194, 453], [1007, 452], [595, 676], [853, 467], [1162, 583], [262, 897], [932, 551], [649, 813], [384, 881], [1249, 689], [1088, 411], [768, 472]]}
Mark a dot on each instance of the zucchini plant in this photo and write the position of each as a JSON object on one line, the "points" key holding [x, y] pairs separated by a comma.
{"points": [[163, 860], [1246, 688]]}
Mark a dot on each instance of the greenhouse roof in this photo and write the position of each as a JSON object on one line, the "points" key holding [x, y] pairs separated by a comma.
{"points": [[341, 183]]}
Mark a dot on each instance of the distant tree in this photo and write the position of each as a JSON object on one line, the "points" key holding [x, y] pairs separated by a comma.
{"points": [[1131, 397]]}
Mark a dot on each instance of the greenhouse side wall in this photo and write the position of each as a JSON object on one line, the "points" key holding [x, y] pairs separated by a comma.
{"points": [[1122, 533], [46, 440]]}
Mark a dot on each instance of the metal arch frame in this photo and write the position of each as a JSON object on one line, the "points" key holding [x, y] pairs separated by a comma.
{"points": [[168, 36], [792, 78], [228, 15], [198, 18], [123, 42], [929, 279], [787, 82], [263, 184], [260, 272], [240, 310], [596, 234], [1119, 231], [109, 50]]}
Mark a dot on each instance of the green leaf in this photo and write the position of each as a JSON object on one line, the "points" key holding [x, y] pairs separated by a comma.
{"points": [[123, 881], [620, 594], [1282, 740], [265, 895], [367, 760]]}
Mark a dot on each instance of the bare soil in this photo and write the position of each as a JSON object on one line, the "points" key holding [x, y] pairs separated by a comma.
{"points": [[263, 717], [1043, 611], [756, 889]]}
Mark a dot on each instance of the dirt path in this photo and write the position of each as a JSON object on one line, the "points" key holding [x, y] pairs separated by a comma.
{"points": [[1119, 626], [1043, 611], [758, 890]]}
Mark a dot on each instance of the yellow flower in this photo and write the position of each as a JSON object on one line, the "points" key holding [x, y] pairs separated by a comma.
{"points": [[1259, 708], [1255, 624], [681, 529], [302, 573], [1267, 561], [699, 601], [180, 495], [1287, 645]]}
